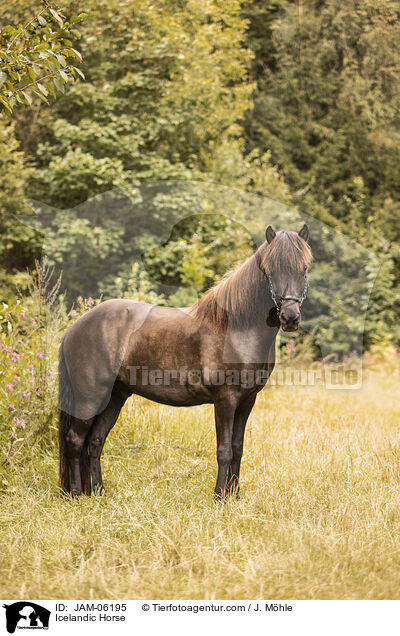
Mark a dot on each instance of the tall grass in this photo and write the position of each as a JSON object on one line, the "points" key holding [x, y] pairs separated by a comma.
{"points": [[319, 515]]}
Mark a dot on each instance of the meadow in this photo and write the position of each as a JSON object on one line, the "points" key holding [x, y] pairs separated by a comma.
{"points": [[318, 517]]}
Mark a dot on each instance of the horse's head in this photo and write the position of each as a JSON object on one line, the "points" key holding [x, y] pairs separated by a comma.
{"points": [[286, 261]]}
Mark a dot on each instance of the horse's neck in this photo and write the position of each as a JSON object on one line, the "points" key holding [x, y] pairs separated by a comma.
{"points": [[254, 344], [248, 338]]}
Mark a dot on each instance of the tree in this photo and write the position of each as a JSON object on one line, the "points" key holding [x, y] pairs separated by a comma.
{"points": [[19, 245], [327, 107], [327, 102], [166, 86]]}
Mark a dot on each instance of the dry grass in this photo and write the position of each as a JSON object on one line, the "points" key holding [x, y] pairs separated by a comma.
{"points": [[319, 515]]}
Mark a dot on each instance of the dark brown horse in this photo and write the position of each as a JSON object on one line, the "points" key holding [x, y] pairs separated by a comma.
{"points": [[219, 351]]}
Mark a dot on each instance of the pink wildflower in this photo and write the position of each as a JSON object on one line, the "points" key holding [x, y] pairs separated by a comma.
{"points": [[40, 355], [10, 387], [23, 314], [291, 346], [13, 436], [25, 395], [20, 423], [38, 392], [11, 408]]}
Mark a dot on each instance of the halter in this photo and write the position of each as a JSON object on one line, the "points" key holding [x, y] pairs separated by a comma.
{"points": [[278, 299]]}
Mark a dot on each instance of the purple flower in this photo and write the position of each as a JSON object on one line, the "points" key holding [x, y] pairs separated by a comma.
{"points": [[38, 392], [20, 423], [33, 322], [13, 436], [25, 394], [10, 387], [23, 314], [40, 355], [291, 346], [14, 356], [11, 408]]}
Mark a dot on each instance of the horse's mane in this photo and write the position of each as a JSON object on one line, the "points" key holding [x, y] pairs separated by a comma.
{"points": [[244, 291]]}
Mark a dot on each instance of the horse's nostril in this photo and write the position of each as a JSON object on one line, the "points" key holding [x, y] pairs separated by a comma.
{"points": [[289, 321]]}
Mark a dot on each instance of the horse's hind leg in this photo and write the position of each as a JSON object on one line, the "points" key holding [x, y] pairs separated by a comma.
{"points": [[102, 425], [74, 442]]}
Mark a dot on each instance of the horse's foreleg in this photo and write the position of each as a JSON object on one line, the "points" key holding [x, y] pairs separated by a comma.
{"points": [[95, 441], [239, 424], [224, 415]]}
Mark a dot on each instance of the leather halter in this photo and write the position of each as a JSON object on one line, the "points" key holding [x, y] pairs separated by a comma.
{"points": [[278, 299]]}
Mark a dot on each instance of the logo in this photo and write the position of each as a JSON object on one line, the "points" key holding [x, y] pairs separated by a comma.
{"points": [[26, 615]]}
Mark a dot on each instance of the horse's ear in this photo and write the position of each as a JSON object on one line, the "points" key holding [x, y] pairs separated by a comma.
{"points": [[270, 234], [305, 233]]}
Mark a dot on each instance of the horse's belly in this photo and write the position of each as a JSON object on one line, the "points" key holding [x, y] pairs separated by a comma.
{"points": [[172, 394]]}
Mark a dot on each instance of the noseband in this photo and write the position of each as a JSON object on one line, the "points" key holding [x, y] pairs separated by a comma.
{"points": [[278, 299]]}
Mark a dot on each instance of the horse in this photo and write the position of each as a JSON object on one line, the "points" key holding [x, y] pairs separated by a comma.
{"points": [[220, 351]]}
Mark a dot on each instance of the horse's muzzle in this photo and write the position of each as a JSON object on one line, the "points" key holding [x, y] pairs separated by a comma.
{"points": [[290, 326], [289, 319]]}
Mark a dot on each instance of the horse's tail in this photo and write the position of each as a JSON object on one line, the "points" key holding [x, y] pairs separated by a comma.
{"points": [[65, 410]]}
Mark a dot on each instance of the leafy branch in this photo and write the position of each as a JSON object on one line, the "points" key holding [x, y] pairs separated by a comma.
{"points": [[35, 57]]}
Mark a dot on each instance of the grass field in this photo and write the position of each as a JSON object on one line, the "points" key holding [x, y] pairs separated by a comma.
{"points": [[319, 516]]}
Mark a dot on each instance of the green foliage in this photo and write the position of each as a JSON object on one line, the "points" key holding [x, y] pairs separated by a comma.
{"points": [[200, 250], [382, 319], [18, 244], [188, 108], [326, 107], [327, 101], [165, 88], [36, 58], [134, 283], [164, 85]]}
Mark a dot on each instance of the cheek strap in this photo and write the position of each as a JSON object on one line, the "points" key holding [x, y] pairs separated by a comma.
{"points": [[278, 300]]}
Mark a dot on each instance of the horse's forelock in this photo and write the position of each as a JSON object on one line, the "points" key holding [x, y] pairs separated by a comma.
{"points": [[288, 252]]}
